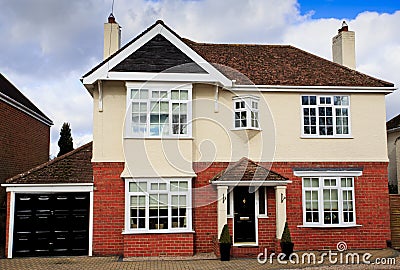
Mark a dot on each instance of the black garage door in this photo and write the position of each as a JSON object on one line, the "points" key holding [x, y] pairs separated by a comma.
{"points": [[55, 224]]}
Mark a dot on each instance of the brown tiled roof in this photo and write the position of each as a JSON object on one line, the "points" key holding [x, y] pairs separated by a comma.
{"points": [[269, 64], [280, 65], [73, 167], [393, 123], [247, 170]]}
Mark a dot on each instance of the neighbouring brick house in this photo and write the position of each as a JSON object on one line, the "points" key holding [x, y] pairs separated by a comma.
{"points": [[393, 141], [24, 136], [190, 136]]}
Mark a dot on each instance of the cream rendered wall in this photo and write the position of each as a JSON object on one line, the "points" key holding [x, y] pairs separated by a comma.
{"points": [[393, 147], [143, 157], [214, 139], [368, 142], [108, 124]]}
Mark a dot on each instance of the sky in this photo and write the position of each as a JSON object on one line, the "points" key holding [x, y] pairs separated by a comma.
{"points": [[46, 46]]}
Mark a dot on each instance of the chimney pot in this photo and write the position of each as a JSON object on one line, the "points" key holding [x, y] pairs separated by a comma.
{"points": [[111, 18], [344, 28]]}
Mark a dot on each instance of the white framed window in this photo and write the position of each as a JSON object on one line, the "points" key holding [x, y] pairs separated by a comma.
{"points": [[325, 116], [262, 201], [329, 201], [159, 110], [158, 205], [246, 112]]}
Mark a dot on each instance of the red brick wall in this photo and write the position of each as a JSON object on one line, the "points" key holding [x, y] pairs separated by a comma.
{"points": [[108, 208], [108, 221], [205, 214], [371, 202], [173, 244], [372, 211], [24, 142]]}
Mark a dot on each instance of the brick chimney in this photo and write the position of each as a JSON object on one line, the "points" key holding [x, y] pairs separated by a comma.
{"points": [[343, 47], [112, 36]]}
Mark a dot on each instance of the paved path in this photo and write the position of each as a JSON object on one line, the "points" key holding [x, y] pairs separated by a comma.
{"points": [[99, 263]]}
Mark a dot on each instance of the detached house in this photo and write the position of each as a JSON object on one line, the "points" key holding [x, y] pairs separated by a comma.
{"points": [[190, 136]]}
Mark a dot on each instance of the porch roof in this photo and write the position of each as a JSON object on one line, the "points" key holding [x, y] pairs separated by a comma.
{"points": [[247, 172]]}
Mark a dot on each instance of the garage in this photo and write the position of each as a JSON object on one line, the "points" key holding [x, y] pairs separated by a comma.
{"points": [[51, 224], [50, 208]]}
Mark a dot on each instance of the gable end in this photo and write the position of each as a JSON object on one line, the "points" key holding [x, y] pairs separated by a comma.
{"points": [[158, 55]]}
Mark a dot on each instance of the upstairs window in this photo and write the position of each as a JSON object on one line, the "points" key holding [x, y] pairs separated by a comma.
{"points": [[325, 116], [246, 112], [158, 112]]}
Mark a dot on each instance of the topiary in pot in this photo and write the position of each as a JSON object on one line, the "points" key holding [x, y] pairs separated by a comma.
{"points": [[225, 243], [286, 242]]}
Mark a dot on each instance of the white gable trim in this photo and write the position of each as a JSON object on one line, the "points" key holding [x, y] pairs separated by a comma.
{"points": [[103, 72]]}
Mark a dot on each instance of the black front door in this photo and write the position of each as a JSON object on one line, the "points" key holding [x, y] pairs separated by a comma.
{"points": [[244, 215], [51, 224]]}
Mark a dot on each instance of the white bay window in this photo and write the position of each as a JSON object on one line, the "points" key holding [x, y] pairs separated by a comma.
{"points": [[246, 113]]}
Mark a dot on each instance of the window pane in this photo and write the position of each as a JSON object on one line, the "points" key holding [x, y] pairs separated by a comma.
{"points": [[261, 198], [184, 95], [175, 94], [134, 93], [304, 100], [228, 204]]}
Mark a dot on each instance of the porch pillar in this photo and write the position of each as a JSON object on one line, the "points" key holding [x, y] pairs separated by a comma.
{"points": [[222, 211], [280, 197]]}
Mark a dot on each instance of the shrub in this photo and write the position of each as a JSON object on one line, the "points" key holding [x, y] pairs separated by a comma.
{"points": [[286, 238], [225, 238]]}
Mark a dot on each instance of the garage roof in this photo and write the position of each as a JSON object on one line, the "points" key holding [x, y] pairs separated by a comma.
{"points": [[73, 167]]}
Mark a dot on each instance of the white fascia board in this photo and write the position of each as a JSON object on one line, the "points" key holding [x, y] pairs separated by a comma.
{"points": [[251, 183], [37, 188], [308, 89], [327, 173], [161, 77], [103, 72], [25, 109]]}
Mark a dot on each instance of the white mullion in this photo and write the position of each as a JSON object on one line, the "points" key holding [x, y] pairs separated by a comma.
{"points": [[169, 198], [340, 200], [321, 200]]}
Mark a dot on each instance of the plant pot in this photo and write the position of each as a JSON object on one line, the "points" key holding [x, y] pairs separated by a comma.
{"points": [[287, 249], [225, 251]]}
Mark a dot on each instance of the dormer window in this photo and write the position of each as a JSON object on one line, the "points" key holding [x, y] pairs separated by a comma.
{"points": [[246, 112]]}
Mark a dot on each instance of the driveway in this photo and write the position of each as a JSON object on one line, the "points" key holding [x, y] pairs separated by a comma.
{"points": [[114, 262]]}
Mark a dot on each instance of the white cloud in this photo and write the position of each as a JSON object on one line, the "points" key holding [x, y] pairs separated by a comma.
{"points": [[48, 45]]}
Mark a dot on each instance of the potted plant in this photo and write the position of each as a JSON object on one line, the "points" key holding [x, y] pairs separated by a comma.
{"points": [[225, 243], [286, 242]]}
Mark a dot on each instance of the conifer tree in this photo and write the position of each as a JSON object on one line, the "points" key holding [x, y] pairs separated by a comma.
{"points": [[65, 142]]}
